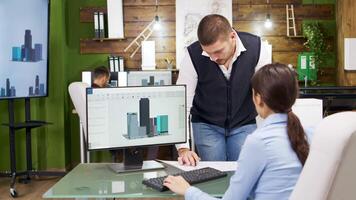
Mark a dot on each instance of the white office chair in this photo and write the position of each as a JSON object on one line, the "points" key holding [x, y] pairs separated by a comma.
{"points": [[329, 172], [77, 92]]}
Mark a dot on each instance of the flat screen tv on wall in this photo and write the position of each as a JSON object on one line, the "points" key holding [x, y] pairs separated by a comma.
{"points": [[24, 32]]}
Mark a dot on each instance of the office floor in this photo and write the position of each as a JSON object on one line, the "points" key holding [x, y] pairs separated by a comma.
{"points": [[31, 191], [35, 189]]}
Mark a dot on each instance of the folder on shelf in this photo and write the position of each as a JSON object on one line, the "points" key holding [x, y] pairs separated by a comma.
{"points": [[111, 63], [101, 25], [121, 64], [96, 24], [116, 63]]}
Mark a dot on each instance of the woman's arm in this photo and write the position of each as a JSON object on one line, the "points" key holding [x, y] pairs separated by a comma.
{"points": [[251, 163]]}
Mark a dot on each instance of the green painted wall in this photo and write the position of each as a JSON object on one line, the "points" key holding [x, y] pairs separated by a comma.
{"points": [[76, 63], [47, 142]]}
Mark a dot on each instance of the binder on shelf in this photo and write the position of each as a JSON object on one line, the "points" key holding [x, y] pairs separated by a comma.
{"points": [[101, 25], [96, 24], [121, 64], [116, 63], [111, 63]]}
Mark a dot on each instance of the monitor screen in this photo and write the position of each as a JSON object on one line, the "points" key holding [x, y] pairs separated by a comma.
{"points": [[146, 78], [24, 48], [136, 116]]}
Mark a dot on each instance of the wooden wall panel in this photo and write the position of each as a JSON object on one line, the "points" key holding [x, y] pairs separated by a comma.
{"points": [[248, 16], [163, 44], [148, 2], [168, 29], [278, 12], [285, 57], [257, 27], [346, 28], [257, 2]]}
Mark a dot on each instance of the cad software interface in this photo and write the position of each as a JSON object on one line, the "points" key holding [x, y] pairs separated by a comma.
{"points": [[135, 116]]}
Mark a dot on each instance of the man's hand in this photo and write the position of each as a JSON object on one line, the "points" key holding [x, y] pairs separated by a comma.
{"points": [[176, 184], [187, 157]]}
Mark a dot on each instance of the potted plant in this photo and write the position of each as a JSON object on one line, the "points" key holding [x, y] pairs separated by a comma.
{"points": [[316, 41], [314, 59]]}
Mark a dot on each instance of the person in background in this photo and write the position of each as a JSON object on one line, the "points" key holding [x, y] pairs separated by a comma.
{"points": [[273, 156], [101, 77], [217, 70]]}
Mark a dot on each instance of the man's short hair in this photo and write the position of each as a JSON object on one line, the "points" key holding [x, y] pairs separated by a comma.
{"points": [[101, 71], [212, 27]]}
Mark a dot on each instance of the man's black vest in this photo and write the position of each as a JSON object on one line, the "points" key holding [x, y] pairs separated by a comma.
{"points": [[222, 102]]}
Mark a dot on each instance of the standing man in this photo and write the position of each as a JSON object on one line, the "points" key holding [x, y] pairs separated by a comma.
{"points": [[217, 70]]}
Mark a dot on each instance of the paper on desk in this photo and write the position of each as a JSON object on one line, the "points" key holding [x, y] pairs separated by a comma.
{"points": [[219, 165]]}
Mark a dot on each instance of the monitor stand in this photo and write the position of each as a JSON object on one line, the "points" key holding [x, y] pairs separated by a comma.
{"points": [[133, 161]]}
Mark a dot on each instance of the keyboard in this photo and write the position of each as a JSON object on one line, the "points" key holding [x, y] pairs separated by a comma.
{"points": [[192, 177]]}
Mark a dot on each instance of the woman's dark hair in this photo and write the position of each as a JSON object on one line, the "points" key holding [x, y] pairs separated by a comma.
{"points": [[278, 87]]}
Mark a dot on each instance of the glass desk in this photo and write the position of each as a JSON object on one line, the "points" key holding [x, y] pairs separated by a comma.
{"points": [[97, 180]]}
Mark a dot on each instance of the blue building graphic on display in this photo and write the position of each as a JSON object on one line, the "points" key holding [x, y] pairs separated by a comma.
{"points": [[38, 89], [148, 127], [26, 53], [151, 81], [10, 90]]}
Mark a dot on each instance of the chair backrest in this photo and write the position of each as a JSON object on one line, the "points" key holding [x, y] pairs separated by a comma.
{"points": [[77, 92], [329, 172]]}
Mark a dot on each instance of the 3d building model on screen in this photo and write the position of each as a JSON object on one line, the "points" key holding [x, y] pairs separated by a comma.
{"points": [[151, 81], [145, 126], [10, 91], [26, 53]]}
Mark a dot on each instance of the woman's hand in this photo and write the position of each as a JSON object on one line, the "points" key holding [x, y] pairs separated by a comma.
{"points": [[176, 184]]}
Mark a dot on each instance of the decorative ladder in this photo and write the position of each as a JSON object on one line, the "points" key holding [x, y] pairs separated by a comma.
{"points": [[143, 36], [290, 20]]}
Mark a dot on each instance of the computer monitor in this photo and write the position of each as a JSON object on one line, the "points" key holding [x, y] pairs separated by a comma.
{"points": [[149, 77], [135, 117]]}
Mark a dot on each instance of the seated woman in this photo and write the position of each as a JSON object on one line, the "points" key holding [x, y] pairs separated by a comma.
{"points": [[273, 156]]}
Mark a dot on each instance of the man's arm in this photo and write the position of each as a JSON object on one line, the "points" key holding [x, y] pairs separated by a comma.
{"points": [[265, 56], [189, 77]]}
